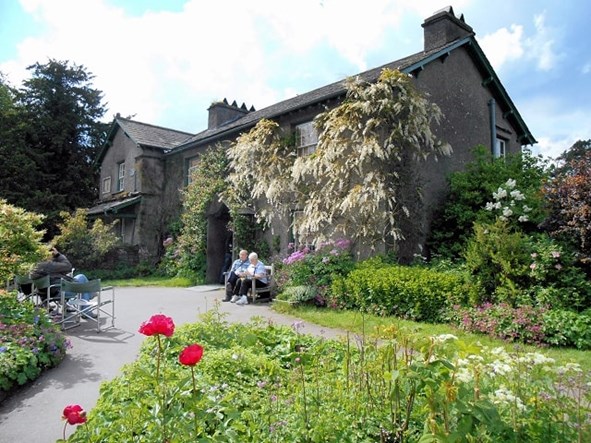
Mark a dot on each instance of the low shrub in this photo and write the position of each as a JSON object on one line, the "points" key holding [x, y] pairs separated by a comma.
{"points": [[526, 324], [522, 324], [568, 328], [29, 342], [315, 267], [414, 293]]}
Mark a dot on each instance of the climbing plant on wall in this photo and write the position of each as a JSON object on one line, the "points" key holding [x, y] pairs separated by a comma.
{"points": [[207, 182], [352, 185]]}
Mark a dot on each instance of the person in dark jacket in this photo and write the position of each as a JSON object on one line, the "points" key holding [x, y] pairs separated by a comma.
{"points": [[57, 267]]}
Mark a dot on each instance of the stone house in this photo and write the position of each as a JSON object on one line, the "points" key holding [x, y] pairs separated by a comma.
{"points": [[155, 163]]}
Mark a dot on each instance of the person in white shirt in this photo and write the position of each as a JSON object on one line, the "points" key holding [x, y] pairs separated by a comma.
{"points": [[256, 271]]}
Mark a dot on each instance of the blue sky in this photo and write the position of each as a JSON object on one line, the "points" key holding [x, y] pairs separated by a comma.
{"points": [[166, 61]]}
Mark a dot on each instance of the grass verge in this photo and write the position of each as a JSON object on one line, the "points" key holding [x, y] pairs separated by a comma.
{"points": [[366, 323]]}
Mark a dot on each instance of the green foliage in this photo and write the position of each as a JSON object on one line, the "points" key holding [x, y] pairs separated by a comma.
{"points": [[86, 245], [472, 188], [207, 182], [29, 342], [263, 383], [556, 280], [20, 241], [59, 124], [499, 260], [526, 324], [298, 294], [567, 328], [522, 324], [414, 293], [315, 268]]}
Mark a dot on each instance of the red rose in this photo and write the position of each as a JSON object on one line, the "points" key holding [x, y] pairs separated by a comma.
{"points": [[191, 355], [158, 324], [74, 414]]}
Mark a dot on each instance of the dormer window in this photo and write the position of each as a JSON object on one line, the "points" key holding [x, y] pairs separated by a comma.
{"points": [[306, 138]]}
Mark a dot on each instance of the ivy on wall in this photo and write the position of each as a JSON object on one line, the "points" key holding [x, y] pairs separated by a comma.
{"points": [[207, 182]]}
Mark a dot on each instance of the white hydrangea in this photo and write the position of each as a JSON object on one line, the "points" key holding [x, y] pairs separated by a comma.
{"points": [[501, 193], [511, 183]]}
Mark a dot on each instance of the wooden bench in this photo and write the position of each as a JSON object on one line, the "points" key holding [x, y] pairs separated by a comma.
{"points": [[269, 289]]}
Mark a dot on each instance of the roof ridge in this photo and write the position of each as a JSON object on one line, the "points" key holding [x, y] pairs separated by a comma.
{"points": [[153, 126]]}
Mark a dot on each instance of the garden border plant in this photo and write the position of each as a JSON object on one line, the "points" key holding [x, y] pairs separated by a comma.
{"points": [[268, 383]]}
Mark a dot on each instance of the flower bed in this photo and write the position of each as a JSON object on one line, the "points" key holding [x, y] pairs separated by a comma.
{"points": [[258, 382], [29, 343]]}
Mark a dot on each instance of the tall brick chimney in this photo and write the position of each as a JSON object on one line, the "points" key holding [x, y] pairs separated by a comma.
{"points": [[221, 113], [444, 27]]}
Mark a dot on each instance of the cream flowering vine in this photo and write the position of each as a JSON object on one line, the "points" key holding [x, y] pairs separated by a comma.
{"points": [[509, 202]]}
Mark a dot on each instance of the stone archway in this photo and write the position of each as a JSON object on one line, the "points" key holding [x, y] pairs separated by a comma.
{"points": [[218, 217]]}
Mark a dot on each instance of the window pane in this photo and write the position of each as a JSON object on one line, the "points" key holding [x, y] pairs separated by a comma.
{"points": [[306, 138]]}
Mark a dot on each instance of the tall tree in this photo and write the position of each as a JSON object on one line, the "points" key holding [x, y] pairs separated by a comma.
{"points": [[62, 132], [15, 183]]}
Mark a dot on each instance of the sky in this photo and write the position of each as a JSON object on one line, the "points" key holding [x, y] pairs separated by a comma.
{"points": [[165, 61]]}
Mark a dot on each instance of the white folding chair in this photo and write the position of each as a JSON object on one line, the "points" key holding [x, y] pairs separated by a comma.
{"points": [[74, 307]]}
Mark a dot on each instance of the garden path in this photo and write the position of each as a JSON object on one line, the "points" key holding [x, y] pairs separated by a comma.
{"points": [[33, 413]]}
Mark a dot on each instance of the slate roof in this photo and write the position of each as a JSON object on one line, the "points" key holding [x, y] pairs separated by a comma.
{"points": [[152, 136], [114, 206], [410, 64]]}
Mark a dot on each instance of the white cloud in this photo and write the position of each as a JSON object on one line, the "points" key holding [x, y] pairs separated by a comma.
{"points": [[208, 51], [511, 44], [504, 45], [541, 45], [586, 69]]}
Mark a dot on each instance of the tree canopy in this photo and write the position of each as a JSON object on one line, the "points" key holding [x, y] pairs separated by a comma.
{"points": [[52, 134]]}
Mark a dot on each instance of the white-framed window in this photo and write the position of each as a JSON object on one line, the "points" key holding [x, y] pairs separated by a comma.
{"points": [[501, 147], [192, 165], [121, 176], [106, 185], [306, 138]]}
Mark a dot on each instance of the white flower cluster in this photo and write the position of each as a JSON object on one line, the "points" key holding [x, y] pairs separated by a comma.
{"points": [[506, 199], [504, 396]]}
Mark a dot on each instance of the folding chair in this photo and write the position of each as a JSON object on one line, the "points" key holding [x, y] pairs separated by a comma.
{"points": [[42, 288], [19, 282], [74, 307]]}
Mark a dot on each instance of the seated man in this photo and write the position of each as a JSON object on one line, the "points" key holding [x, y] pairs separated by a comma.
{"points": [[237, 271], [256, 271], [58, 267]]}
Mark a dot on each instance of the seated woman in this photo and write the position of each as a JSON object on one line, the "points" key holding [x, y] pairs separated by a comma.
{"points": [[256, 271]]}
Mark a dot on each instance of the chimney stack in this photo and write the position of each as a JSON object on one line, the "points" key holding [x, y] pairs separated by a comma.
{"points": [[444, 27], [221, 113]]}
